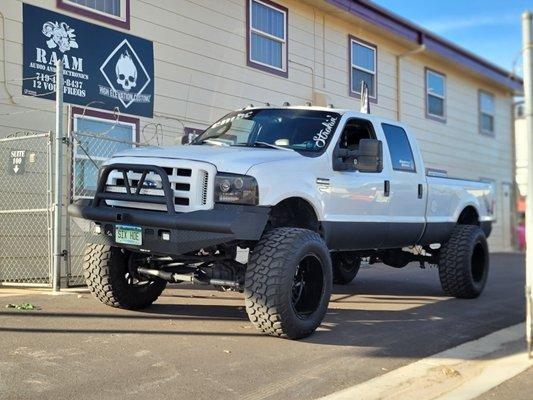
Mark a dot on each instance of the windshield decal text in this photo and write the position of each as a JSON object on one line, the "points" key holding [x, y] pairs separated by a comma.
{"points": [[231, 119], [321, 137]]}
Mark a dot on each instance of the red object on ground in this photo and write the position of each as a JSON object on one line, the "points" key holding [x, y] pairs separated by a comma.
{"points": [[521, 235]]}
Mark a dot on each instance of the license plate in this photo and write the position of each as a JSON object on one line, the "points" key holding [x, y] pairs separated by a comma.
{"points": [[127, 234]]}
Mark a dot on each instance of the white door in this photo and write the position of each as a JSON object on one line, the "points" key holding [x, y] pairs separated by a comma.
{"points": [[408, 189], [358, 205]]}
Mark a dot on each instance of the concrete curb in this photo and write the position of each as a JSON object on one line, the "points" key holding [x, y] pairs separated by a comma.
{"points": [[462, 372]]}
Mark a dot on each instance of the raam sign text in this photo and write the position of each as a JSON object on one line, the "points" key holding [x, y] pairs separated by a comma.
{"points": [[102, 67]]}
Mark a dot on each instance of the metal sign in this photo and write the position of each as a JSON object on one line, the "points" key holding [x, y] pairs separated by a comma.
{"points": [[102, 67], [17, 162]]}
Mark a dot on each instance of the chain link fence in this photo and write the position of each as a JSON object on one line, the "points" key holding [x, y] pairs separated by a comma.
{"points": [[25, 209], [87, 153], [26, 203]]}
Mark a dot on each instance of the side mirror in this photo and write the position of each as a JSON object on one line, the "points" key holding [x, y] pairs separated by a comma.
{"points": [[188, 138], [370, 157], [190, 134], [367, 158]]}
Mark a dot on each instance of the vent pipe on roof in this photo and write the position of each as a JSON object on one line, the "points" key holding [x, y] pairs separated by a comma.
{"points": [[399, 57]]}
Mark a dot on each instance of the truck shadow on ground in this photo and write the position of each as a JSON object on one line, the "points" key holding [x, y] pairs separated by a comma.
{"points": [[391, 314]]}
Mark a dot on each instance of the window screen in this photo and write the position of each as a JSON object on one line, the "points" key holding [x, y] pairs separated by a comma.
{"points": [[435, 94], [97, 140], [111, 7], [399, 148], [363, 62], [268, 37], [486, 112]]}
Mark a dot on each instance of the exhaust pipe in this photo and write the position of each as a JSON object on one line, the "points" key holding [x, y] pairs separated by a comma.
{"points": [[179, 278]]}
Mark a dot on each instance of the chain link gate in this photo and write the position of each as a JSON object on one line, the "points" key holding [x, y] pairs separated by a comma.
{"points": [[87, 153], [25, 209]]}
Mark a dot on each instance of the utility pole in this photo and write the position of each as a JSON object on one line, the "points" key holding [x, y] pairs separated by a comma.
{"points": [[527, 32], [58, 180]]}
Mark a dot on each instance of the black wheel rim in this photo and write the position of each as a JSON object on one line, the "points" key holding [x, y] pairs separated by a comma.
{"points": [[307, 286], [478, 263]]}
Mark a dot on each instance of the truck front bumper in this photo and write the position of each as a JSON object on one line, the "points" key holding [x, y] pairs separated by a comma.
{"points": [[164, 232], [186, 231]]}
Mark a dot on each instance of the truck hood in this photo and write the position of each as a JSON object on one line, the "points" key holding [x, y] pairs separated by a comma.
{"points": [[237, 160]]}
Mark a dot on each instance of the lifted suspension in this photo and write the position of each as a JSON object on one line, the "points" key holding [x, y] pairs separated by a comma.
{"points": [[198, 277]]}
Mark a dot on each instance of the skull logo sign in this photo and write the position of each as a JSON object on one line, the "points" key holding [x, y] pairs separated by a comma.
{"points": [[126, 72]]}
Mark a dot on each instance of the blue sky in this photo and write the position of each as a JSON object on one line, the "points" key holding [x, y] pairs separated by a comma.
{"points": [[489, 28]]}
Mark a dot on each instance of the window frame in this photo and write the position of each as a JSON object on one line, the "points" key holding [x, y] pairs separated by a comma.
{"points": [[122, 22], [353, 39], [284, 71], [77, 113], [485, 132], [435, 117], [411, 171]]}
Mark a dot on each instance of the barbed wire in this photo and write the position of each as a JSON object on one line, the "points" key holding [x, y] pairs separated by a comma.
{"points": [[155, 135]]}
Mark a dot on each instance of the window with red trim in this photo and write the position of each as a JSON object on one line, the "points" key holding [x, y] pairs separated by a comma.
{"points": [[267, 36], [97, 137]]}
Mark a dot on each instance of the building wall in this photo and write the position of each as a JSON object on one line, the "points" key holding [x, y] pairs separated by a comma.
{"points": [[201, 73]]}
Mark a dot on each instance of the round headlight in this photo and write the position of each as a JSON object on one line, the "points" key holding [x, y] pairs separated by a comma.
{"points": [[238, 183], [225, 185]]}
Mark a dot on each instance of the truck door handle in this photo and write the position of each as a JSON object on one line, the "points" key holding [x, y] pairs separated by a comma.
{"points": [[386, 189], [420, 191]]}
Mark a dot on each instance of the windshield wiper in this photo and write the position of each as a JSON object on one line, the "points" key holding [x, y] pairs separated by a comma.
{"points": [[214, 142], [270, 145]]}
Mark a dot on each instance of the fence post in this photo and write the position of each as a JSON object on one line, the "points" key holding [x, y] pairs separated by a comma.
{"points": [[58, 180]]}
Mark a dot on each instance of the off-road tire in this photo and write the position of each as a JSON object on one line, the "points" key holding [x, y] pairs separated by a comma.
{"points": [[271, 275], [345, 268], [464, 262], [105, 269]]}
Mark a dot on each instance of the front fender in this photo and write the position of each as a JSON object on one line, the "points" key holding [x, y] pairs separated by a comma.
{"points": [[276, 186]]}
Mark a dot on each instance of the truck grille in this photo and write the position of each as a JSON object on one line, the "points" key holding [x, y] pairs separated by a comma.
{"points": [[191, 181]]}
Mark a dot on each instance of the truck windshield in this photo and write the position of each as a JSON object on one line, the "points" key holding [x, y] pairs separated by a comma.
{"points": [[306, 131]]}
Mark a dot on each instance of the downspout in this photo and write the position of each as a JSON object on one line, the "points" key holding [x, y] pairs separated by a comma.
{"points": [[11, 98], [312, 75], [324, 51], [419, 49]]}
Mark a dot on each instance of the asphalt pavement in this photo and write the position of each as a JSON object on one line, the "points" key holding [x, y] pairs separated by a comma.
{"points": [[198, 343]]}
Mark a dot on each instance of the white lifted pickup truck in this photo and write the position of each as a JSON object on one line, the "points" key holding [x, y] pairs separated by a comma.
{"points": [[308, 190]]}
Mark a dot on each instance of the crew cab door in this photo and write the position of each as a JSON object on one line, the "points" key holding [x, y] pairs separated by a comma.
{"points": [[357, 206], [408, 188]]}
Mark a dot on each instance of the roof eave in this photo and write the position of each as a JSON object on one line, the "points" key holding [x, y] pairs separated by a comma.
{"points": [[385, 19]]}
